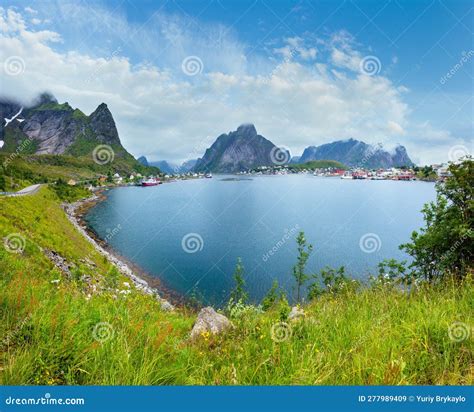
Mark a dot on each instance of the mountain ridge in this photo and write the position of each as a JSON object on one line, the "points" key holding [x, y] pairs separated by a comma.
{"points": [[356, 153], [239, 150], [57, 128]]}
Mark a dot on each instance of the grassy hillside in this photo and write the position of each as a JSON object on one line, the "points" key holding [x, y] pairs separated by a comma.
{"points": [[22, 170], [57, 330], [318, 164]]}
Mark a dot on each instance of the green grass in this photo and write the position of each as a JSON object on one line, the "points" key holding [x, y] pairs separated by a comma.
{"points": [[22, 170], [78, 114], [53, 106], [318, 164], [372, 336]]}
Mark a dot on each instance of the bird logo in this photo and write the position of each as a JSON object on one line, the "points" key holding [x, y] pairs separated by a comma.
{"points": [[8, 121]]}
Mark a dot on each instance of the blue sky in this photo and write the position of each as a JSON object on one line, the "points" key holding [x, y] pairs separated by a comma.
{"points": [[295, 69]]}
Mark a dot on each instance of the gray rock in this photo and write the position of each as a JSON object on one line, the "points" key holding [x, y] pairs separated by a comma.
{"points": [[60, 262], [210, 321], [296, 314], [166, 306], [103, 125]]}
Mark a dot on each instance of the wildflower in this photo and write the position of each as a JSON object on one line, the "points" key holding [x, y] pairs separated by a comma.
{"points": [[55, 281], [205, 335]]}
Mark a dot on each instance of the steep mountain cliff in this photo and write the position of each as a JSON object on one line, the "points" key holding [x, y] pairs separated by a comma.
{"points": [[356, 153], [53, 128], [240, 150]]}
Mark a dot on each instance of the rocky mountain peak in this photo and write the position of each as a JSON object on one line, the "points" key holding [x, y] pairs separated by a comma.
{"points": [[247, 130], [236, 151], [57, 128], [45, 98], [103, 125]]}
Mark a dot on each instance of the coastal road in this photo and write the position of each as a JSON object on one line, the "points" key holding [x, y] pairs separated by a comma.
{"points": [[30, 190]]}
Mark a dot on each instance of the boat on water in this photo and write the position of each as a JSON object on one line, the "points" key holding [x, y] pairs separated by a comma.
{"points": [[150, 182], [209, 176]]}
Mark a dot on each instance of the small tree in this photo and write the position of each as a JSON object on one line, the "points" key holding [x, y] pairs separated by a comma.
{"points": [[446, 243], [239, 293], [271, 297], [299, 274]]}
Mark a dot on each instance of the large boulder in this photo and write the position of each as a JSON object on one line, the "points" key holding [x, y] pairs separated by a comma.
{"points": [[209, 321]]}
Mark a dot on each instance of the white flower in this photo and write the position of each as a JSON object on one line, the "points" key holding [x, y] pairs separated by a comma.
{"points": [[56, 281]]}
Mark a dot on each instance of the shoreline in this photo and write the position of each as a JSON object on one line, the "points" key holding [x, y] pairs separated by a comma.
{"points": [[74, 212]]}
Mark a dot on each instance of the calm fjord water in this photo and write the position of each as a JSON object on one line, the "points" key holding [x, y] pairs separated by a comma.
{"points": [[351, 223]]}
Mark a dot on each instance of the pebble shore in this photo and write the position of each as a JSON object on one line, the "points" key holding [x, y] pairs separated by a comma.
{"points": [[140, 284]]}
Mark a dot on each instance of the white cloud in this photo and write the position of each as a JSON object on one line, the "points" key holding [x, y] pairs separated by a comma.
{"points": [[164, 114], [30, 10], [294, 47], [395, 128]]}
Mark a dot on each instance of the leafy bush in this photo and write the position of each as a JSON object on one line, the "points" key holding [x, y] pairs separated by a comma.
{"points": [[446, 244], [272, 296]]}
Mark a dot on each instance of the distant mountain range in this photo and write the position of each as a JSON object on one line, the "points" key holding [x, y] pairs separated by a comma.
{"points": [[245, 149], [54, 128], [169, 168], [355, 153]]}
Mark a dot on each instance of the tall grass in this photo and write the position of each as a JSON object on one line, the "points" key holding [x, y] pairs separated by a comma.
{"points": [[51, 332]]}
